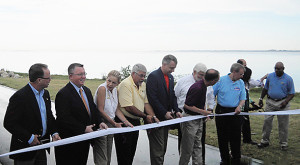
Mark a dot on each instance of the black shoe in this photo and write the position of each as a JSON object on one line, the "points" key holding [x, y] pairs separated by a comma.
{"points": [[224, 163], [284, 148], [251, 142], [262, 145]]}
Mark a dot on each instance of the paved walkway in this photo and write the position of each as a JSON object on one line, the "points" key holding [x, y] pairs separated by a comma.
{"points": [[142, 154]]}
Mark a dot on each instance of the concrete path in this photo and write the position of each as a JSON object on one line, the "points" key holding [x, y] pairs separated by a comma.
{"points": [[142, 156]]}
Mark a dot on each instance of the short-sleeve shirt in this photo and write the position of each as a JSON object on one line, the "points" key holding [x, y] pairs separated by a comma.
{"points": [[182, 86], [229, 92], [131, 95], [196, 95], [279, 87]]}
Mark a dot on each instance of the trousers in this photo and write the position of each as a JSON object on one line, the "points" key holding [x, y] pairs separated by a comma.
{"points": [[125, 143], [158, 139], [191, 145], [39, 159], [283, 122], [102, 147], [229, 132]]}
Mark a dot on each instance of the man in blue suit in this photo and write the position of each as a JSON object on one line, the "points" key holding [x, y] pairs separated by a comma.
{"points": [[161, 96]]}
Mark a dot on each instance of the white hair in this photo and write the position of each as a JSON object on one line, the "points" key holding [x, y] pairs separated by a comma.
{"points": [[200, 68], [138, 67]]}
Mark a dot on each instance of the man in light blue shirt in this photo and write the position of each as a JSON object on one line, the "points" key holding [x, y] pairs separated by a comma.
{"points": [[40, 100], [231, 96], [280, 90], [29, 117], [76, 114]]}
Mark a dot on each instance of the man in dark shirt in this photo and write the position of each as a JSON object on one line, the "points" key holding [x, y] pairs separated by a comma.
{"points": [[161, 96], [192, 130], [246, 129]]}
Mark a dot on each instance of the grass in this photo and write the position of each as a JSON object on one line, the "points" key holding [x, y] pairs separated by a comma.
{"points": [[270, 155]]}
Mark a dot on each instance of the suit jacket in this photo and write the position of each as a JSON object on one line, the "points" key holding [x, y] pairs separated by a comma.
{"points": [[159, 97], [72, 116], [23, 118]]}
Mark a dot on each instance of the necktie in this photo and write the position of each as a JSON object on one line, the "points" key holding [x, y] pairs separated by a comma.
{"points": [[84, 101]]}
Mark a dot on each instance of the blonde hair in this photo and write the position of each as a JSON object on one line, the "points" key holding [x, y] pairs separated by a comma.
{"points": [[115, 74]]}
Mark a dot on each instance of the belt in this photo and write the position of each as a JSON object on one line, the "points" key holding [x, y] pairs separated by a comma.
{"points": [[276, 99], [190, 112], [220, 109]]}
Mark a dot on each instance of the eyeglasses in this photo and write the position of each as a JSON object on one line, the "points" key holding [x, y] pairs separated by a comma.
{"points": [[141, 75], [81, 74]]}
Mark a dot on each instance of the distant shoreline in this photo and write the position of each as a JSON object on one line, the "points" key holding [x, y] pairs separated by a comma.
{"points": [[272, 50], [180, 50]]}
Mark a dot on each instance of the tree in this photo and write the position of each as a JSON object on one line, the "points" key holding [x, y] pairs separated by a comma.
{"points": [[125, 72]]}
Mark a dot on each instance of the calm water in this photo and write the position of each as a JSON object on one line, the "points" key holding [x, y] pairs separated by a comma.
{"points": [[99, 63]]}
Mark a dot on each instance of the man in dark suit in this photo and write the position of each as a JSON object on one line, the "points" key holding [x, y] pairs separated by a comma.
{"points": [[246, 129], [76, 114], [161, 96], [29, 117]]}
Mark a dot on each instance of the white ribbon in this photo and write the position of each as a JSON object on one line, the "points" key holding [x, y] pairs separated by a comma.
{"points": [[109, 131]]}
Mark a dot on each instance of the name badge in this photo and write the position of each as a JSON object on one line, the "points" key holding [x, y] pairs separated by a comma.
{"points": [[236, 88]]}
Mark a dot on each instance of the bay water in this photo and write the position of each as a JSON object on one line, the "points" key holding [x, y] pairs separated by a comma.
{"points": [[98, 63]]}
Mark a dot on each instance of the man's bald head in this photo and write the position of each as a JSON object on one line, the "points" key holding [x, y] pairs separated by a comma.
{"points": [[242, 61], [279, 69], [279, 64]]}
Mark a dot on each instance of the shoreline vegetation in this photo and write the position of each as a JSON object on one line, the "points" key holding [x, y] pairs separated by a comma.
{"points": [[270, 155]]}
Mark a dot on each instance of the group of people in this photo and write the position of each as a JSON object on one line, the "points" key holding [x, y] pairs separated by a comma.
{"points": [[123, 104]]}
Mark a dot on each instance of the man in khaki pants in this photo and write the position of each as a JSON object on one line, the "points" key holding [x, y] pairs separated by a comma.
{"points": [[280, 90], [192, 130]]}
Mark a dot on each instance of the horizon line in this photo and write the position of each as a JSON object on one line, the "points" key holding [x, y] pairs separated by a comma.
{"points": [[176, 50]]}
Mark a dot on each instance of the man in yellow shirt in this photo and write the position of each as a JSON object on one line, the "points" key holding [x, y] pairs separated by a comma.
{"points": [[134, 105]]}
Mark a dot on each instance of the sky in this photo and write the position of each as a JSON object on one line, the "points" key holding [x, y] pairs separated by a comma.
{"points": [[149, 25]]}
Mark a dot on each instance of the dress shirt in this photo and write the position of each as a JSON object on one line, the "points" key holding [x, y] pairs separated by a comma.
{"points": [[42, 108], [84, 95], [182, 86], [254, 83], [210, 98], [196, 95]]}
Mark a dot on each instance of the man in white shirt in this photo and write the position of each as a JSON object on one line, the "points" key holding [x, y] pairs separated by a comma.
{"points": [[181, 89]]}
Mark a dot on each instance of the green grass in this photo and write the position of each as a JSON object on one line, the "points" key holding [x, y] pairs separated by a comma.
{"points": [[270, 155]]}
